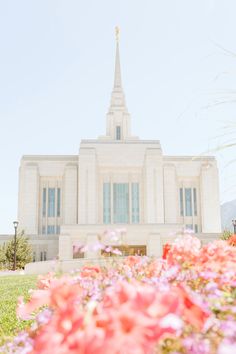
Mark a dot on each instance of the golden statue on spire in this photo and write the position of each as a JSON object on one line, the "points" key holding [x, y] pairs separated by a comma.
{"points": [[117, 33]]}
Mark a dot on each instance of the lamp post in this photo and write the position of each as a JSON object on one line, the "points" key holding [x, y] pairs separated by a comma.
{"points": [[234, 225], [15, 223]]}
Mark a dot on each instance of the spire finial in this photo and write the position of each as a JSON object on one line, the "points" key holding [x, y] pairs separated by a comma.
{"points": [[117, 30]]}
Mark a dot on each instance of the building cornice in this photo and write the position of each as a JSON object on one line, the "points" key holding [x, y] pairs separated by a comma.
{"points": [[49, 157], [188, 158], [120, 142]]}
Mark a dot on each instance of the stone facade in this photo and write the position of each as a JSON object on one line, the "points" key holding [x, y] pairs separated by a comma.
{"points": [[116, 181]]}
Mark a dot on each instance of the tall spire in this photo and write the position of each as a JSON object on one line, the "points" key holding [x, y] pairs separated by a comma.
{"points": [[118, 118], [117, 79], [117, 95]]}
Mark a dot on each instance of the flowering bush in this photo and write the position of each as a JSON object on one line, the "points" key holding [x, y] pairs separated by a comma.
{"points": [[183, 303]]}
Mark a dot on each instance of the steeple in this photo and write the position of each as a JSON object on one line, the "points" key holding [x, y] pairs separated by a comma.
{"points": [[118, 118], [117, 96]]}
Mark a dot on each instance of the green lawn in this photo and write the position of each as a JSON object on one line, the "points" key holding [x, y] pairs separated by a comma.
{"points": [[11, 287]]}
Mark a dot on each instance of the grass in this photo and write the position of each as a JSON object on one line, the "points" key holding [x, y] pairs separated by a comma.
{"points": [[11, 287]]}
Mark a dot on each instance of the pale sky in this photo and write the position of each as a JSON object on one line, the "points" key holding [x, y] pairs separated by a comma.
{"points": [[178, 60]]}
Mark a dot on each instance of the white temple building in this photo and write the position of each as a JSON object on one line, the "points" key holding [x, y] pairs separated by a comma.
{"points": [[116, 181]]}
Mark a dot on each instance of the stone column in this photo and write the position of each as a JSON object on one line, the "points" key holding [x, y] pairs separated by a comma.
{"points": [[65, 248], [210, 203], [70, 204], [154, 247], [154, 187], [170, 194], [29, 198], [87, 213]]}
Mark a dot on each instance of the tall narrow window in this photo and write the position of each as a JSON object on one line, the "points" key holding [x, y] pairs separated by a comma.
{"points": [[106, 203], [181, 202], [44, 201], [188, 202], [195, 201], [58, 202], [118, 132], [51, 202], [121, 203], [189, 227], [135, 203], [51, 230]]}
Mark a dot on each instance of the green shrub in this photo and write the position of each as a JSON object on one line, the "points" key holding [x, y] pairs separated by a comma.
{"points": [[225, 235], [3, 258], [23, 252]]}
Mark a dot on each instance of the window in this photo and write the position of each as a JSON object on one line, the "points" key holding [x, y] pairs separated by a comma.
{"points": [[51, 202], [195, 201], [34, 256], [77, 253], [44, 201], [135, 203], [196, 228], [181, 200], [58, 201], [131, 250], [106, 203], [189, 227], [43, 256], [188, 202], [118, 133], [51, 230], [51, 208], [120, 203]]}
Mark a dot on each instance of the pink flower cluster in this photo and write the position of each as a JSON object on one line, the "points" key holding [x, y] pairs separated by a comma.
{"points": [[184, 303]]}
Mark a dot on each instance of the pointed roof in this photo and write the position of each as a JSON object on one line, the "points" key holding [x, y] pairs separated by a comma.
{"points": [[117, 96]]}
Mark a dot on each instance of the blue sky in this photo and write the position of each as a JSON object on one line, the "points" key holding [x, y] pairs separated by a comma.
{"points": [[56, 75]]}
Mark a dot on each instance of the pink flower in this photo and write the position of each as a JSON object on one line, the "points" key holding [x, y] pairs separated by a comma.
{"points": [[45, 281], [116, 251], [90, 271], [39, 298], [132, 260]]}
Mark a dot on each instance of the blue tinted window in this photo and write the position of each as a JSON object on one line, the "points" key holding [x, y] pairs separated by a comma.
{"points": [[181, 202], [195, 201], [51, 230], [51, 202], [189, 227], [188, 202], [44, 201], [121, 202], [58, 202], [118, 133]]}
